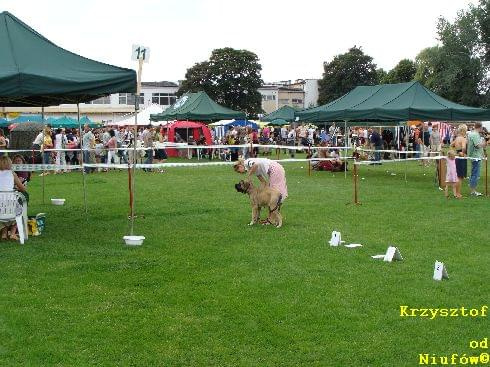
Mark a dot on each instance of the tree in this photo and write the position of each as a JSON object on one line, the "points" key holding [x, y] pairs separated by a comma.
{"points": [[344, 73], [458, 69], [403, 72], [230, 77], [380, 75]]}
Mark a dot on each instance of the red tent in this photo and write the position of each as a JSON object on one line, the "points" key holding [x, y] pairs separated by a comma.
{"points": [[187, 129]]}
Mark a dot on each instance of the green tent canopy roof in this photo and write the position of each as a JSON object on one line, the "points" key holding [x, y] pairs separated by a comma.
{"points": [[197, 106], [392, 102], [36, 72], [278, 122], [285, 113]]}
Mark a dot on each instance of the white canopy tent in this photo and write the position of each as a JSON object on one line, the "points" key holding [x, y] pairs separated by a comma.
{"points": [[143, 117]]}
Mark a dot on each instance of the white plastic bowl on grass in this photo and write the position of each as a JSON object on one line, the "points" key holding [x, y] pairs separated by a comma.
{"points": [[58, 201], [134, 240]]}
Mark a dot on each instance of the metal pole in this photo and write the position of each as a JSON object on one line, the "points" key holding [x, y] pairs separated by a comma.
{"points": [[81, 151], [135, 140], [42, 150], [486, 175], [345, 150], [407, 134], [133, 168]]}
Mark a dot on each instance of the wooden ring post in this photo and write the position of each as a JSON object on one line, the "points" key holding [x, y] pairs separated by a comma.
{"points": [[309, 161], [486, 176], [355, 175]]}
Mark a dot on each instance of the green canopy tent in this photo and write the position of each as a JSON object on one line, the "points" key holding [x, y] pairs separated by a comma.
{"points": [[391, 103], [71, 123], [278, 122], [285, 113], [36, 72], [199, 107]]}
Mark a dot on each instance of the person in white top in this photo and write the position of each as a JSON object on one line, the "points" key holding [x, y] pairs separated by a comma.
{"points": [[311, 135], [8, 182], [60, 142]]}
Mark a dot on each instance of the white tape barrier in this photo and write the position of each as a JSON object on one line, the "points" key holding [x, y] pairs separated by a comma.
{"points": [[414, 159], [221, 146], [55, 167], [179, 146], [43, 167], [398, 151]]}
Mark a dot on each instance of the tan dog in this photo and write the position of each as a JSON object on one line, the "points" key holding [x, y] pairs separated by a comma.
{"points": [[262, 196]]}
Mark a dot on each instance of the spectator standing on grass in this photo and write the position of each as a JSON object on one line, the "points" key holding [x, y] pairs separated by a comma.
{"points": [[303, 135], [425, 140], [376, 143], [148, 145], [291, 140], [88, 141], [47, 143], [160, 153], [475, 146], [435, 140], [451, 175], [121, 153], [284, 135], [416, 142], [60, 144], [111, 147], [105, 138], [459, 144], [311, 135]]}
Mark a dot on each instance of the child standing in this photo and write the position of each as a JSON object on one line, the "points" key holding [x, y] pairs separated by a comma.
{"points": [[451, 175]]}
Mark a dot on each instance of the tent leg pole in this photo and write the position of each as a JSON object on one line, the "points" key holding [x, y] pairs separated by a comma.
{"points": [[309, 161], [42, 151], [346, 135], [486, 176], [133, 168], [83, 170]]}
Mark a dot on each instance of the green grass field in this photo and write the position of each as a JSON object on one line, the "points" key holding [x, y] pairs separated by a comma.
{"points": [[206, 289]]}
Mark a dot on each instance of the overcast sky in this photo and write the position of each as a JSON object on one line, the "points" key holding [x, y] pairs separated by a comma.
{"points": [[291, 38]]}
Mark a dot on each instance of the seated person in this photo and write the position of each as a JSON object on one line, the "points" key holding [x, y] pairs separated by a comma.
{"points": [[321, 153], [24, 176], [8, 182], [335, 164]]}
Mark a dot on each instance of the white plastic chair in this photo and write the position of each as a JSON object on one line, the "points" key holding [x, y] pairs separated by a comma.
{"points": [[10, 210]]}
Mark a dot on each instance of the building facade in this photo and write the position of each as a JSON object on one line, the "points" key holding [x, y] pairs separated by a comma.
{"points": [[302, 93], [275, 96], [113, 107]]}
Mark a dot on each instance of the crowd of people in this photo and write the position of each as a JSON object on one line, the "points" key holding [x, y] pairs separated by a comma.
{"points": [[107, 145]]}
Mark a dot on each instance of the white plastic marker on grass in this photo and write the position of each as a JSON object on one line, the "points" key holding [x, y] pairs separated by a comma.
{"points": [[440, 271], [336, 239], [391, 254], [353, 245]]}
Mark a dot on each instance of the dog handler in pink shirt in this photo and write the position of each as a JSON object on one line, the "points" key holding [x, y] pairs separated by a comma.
{"points": [[267, 171]]}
